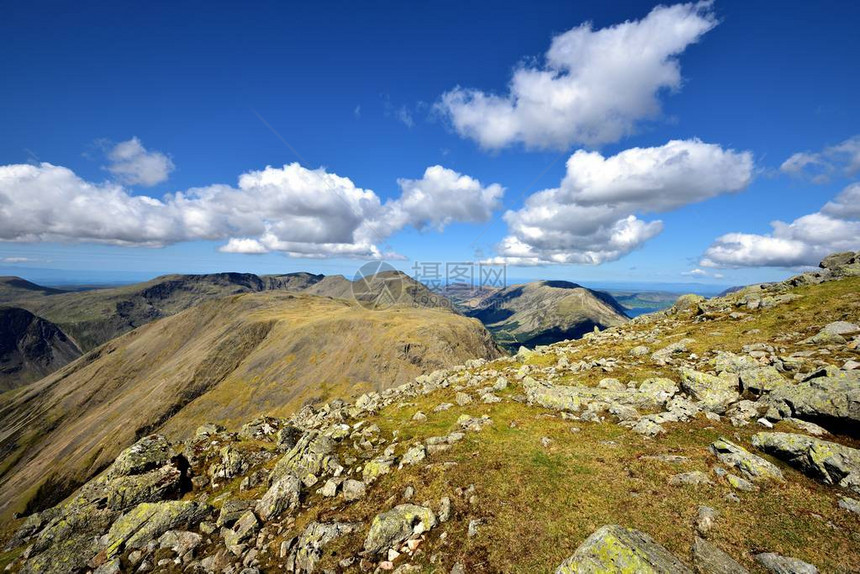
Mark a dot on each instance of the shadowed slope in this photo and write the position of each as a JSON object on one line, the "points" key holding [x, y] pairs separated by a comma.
{"points": [[30, 348]]}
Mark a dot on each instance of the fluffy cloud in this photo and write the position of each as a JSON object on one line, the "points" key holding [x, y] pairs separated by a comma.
{"points": [[301, 212], [701, 273], [819, 167], [593, 88], [133, 164], [804, 241], [846, 205], [443, 196], [591, 218]]}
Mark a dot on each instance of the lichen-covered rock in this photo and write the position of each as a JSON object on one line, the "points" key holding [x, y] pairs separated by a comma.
{"points": [[687, 302], [414, 455], [714, 393], [69, 543], [180, 541], [231, 510], [353, 489], [126, 491], [148, 453], [708, 559], [761, 380], [753, 467], [309, 547], [666, 354], [835, 397], [397, 525], [310, 457], [733, 363], [245, 527], [826, 461], [614, 548], [651, 394], [656, 391], [784, 565], [647, 427], [148, 521], [285, 493], [375, 468]]}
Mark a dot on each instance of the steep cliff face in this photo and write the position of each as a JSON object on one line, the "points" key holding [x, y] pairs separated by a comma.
{"points": [[30, 348]]}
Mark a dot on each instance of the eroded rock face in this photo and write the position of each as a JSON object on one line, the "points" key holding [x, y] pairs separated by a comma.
{"points": [[753, 467], [614, 548], [398, 524], [826, 461]]}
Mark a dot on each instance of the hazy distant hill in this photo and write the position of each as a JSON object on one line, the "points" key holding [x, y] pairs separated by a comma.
{"points": [[226, 360], [14, 289], [544, 312], [30, 348]]}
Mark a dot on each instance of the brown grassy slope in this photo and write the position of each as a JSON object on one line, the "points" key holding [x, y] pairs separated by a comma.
{"points": [[227, 361]]}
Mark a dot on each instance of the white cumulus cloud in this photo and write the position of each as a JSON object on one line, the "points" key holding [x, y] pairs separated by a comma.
{"points": [[133, 164], [592, 217], [292, 209], [593, 87], [441, 196], [804, 241], [819, 167], [701, 274]]}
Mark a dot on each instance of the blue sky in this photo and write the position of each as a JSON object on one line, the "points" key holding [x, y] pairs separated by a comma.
{"points": [[105, 103]]}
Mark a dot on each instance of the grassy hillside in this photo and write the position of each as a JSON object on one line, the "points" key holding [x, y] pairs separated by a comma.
{"points": [[226, 360], [510, 465]]}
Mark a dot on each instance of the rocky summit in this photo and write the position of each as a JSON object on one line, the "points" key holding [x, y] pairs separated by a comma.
{"points": [[717, 436]]}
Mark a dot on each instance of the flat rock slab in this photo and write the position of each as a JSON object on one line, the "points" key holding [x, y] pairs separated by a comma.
{"points": [[753, 467], [614, 548]]}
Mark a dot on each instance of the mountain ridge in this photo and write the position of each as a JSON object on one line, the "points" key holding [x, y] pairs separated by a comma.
{"points": [[678, 441], [231, 358]]}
